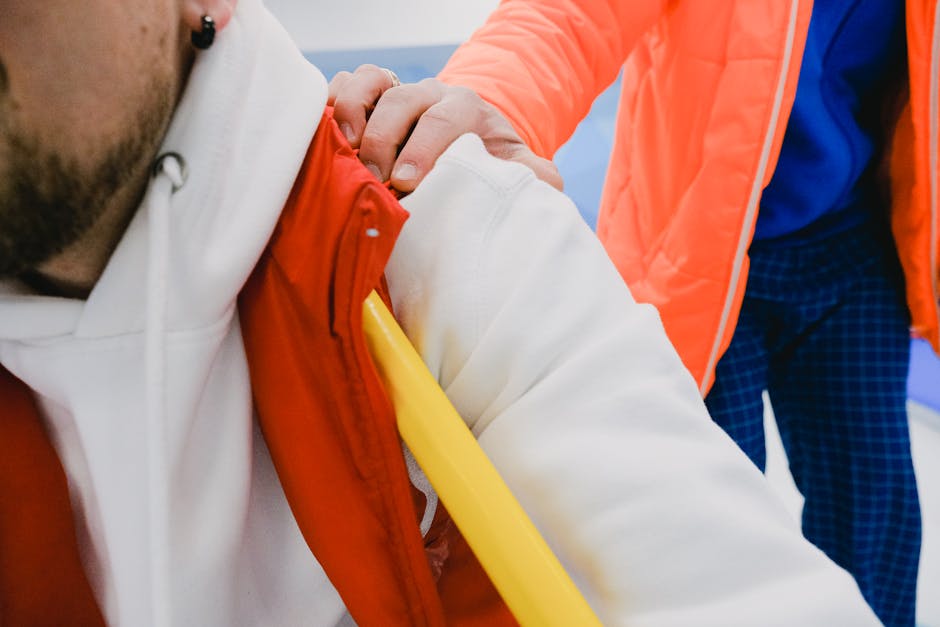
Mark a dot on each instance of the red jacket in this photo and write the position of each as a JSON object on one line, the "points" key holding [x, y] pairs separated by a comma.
{"points": [[325, 417]]}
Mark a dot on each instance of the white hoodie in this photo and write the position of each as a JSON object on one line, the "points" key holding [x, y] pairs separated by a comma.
{"points": [[571, 387]]}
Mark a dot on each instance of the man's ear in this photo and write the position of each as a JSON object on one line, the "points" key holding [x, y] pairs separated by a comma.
{"points": [[219, 10]]}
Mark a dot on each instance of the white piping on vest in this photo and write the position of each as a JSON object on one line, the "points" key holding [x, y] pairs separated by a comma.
{"points": [[752, 204], [168, 178], [934, 137]]}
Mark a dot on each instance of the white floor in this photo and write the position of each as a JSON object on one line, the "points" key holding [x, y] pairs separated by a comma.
{"points": [[925, 442]]}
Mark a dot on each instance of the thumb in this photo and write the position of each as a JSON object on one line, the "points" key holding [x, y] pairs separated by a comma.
{"points": [[544, 169]]}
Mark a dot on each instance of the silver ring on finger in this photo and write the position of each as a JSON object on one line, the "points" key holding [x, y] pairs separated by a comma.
{"points": [[392, 77]]}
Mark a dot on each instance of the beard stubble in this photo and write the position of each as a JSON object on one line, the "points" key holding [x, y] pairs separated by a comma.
{"points": [[49, 201]]}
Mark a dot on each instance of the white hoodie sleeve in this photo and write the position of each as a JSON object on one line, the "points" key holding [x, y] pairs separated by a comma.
{"points": [[584, 407]]}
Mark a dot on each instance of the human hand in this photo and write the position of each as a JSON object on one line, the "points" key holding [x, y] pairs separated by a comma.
{"points": [[401, 130]]}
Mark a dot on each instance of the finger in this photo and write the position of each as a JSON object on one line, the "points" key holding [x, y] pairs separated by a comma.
{"points": [[339, 80], [543, 168], [437, 128], [390, 124], [514, 149], [357, 97], [392, 78]]}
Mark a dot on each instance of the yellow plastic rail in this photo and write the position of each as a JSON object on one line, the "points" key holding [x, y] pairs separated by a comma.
{"points": [[524, 570]]}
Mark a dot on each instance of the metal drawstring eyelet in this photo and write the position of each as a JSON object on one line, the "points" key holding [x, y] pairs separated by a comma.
{"points": [[177, 172]]}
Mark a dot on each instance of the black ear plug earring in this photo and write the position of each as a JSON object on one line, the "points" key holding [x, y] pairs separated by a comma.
{"points": [[202, 39]]}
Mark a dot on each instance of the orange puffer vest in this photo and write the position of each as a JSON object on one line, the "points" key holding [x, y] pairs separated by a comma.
{"points": [[707, 91], [326, 419]]}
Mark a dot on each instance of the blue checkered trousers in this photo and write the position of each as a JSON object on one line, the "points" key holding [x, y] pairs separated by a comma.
{"points": [[824, 329]]}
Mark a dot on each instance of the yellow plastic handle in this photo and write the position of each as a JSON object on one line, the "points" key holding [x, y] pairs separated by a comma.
{"points": [[524, 570]]}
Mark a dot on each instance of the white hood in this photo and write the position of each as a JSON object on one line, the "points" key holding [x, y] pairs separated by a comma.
{"points": [[144, 386]]}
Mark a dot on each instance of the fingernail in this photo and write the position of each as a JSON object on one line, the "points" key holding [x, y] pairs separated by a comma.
{"points": [[374, 169], [347, 130], [405, 172]]}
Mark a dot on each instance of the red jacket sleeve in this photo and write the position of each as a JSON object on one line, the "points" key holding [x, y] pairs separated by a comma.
{"points": [[542, 62]]}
